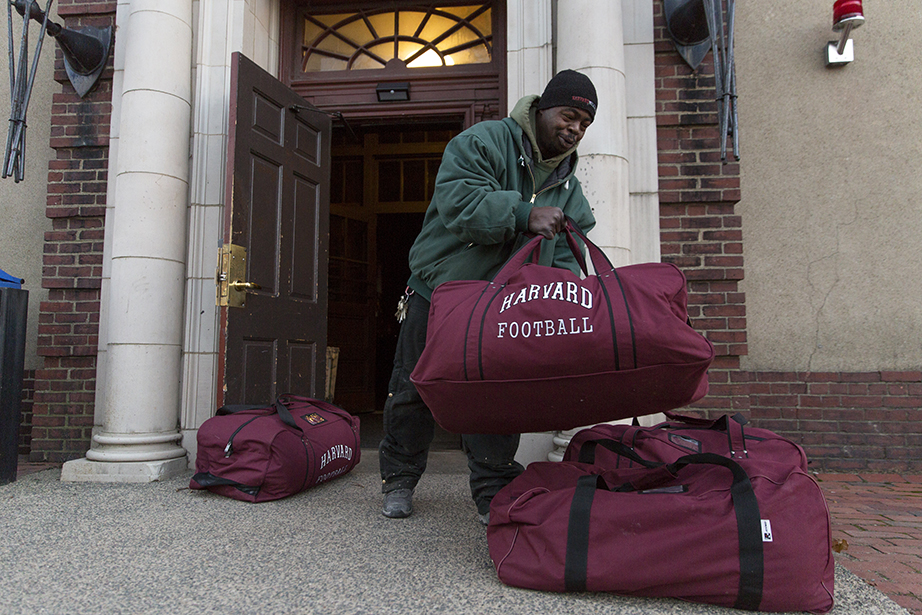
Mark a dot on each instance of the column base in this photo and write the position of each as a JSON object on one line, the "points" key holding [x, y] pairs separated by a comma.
{"points": [[561, 442], [534, 447], [88, 471]]}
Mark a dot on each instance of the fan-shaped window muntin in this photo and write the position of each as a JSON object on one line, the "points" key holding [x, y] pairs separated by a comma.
{"points": [[369, 39]]}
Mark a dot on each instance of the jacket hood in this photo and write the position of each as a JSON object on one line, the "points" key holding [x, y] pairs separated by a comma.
{"points": [[524, 114]]}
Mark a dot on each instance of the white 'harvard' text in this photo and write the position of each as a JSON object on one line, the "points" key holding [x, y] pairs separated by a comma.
{"points": [[337, 451], [570, 292]]}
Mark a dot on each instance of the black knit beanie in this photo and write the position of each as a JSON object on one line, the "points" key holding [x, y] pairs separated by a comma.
{"points": [[569, 88]]}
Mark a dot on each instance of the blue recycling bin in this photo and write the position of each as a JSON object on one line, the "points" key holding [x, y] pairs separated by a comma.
{"points": [[14, 302]]}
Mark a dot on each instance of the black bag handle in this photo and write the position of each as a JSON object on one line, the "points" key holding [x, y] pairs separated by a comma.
{"points": [[587, 452], [323, 405], [748, 522], [734, 426], [285, 414], [600, 261], [278, 407], [720, 423], [235, 408], [207, 479]]}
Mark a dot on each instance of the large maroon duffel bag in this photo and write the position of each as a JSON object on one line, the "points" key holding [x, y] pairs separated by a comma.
{"points": [[748, 534], [258, 453], [539, 348], [681, 435]]}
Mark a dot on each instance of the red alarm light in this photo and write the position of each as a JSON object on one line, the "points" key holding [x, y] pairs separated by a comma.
{"points": [[846, 11]]}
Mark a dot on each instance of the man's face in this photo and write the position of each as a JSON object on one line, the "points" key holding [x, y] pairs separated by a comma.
{"points": [[560, 129]]}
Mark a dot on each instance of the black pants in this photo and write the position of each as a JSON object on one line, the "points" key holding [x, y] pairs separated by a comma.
{"points": [[409, 426]]}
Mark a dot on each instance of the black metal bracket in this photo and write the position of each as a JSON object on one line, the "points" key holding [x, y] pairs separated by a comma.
{"points": [[85, 50], [337, 115]]}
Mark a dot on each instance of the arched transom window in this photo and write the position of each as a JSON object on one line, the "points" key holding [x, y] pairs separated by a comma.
{"points": [[418, 36]]}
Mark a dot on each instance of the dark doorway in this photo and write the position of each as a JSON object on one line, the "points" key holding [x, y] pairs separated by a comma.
{"points": [[382, 179], [396, 233]]}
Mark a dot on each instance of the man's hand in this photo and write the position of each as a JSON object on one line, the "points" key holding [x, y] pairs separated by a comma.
{"points": [[546, 221]]}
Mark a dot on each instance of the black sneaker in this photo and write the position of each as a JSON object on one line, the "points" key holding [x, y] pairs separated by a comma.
{"points": [[398, 503]]}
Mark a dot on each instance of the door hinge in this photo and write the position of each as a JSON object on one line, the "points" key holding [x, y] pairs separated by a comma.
{"points": [[231, 276]]}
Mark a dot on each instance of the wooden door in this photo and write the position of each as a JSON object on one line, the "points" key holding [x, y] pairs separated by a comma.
{"points": [[277, 209]]}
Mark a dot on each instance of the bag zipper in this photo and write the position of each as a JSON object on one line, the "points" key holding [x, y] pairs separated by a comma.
{"points": [[229, 448], [307, 459]]}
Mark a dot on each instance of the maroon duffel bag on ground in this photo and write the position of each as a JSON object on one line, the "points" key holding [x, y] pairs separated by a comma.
{"points": [[680, 435], [539, 348], [258, 453], [751, 534]]}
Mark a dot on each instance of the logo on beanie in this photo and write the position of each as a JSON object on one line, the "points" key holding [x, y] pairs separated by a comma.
{"points": [[585, 101]]}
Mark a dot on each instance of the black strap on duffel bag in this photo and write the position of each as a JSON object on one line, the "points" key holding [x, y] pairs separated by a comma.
{"points": [[745, 505]]}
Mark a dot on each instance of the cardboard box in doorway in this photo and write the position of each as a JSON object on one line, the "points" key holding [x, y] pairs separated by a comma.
{"points": [[332, 362]]}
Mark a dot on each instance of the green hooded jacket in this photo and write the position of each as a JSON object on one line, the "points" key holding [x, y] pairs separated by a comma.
{"points": [[484, 192]]}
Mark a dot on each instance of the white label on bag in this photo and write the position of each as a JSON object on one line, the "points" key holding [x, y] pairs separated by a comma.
{"points": [[766, 530], [543, 328]]}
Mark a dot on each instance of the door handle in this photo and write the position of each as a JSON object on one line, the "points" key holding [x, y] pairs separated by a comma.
{"points": [[232, 266], [240, 286]]}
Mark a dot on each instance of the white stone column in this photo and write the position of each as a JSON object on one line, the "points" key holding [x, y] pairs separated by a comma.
{"points": [[640, 94], [118, 73], [590, 39], [138, 441], [612, 43], [529, 66], [529, 50]]}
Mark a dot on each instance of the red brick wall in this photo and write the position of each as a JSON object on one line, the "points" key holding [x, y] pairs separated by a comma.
{"points": [[64, 389], [700, 230], [845, 421], [25, 423]]}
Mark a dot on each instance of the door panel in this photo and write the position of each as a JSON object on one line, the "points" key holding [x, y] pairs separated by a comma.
{"points": [[304, 231], [278, 210], [262, 219]]}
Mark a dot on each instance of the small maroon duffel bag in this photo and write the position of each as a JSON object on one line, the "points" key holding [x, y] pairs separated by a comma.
{"points": [[749, 534], [257, 454], [681, 435], [539, 348]]}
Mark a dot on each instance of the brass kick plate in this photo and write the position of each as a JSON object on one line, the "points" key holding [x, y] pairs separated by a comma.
{"points": [[231, 276]]}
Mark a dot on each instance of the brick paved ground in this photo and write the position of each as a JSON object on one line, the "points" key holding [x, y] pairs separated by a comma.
{"points": [[879, 516]]}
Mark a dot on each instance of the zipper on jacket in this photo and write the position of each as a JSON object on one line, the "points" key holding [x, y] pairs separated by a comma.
{"points": [[534, 184], [229, 449], [544, 189]]}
